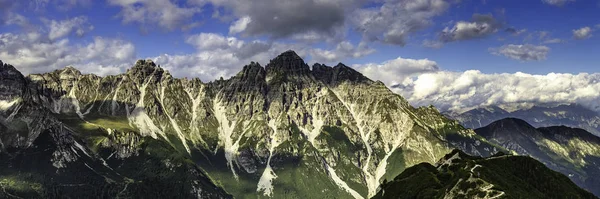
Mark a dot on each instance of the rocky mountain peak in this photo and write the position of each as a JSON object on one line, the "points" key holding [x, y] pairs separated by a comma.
{"points": [[7, 70], [322, 72], [69, 72], [288, 63], [144, 65], [343, 73], [12, 82], [251, 71], [70, 69], [337, 74], [252, 77], [289, 54], [144, 69]]}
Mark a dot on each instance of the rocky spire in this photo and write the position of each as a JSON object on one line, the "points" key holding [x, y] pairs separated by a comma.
{"points": [[144, 69], [342, 72], [252, 77], [69, 73], [337, 74], [322, 72], [251, 73], [12, 82], [288, 63]]}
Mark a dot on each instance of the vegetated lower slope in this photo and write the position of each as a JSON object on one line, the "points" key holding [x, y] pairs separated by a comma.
{"points": [[459, 175], [571, 151]]}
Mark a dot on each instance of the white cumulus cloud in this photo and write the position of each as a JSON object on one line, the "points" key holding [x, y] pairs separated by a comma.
{"points": [[582, 33], [397, 71], [58, 29], [465, 90], [36, 53], [481, 25], [240, 25]]}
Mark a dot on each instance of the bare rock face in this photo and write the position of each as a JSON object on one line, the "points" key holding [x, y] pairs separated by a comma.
{"points": [[12, 84], [329, 131]]}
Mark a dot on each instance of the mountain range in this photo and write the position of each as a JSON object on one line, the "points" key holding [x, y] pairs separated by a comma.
{"points": [[285, 130], [571, 151], [541, 115]]}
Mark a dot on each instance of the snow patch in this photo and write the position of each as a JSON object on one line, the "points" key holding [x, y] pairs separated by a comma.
{"points": [[143, 122], [6, 104], [81, 148], [113, 103], [67, 103], [318, 124], [140, 118], [265, 183], [226, 128], [317, 121], [314, 133], [74, 100], [195, 103]]}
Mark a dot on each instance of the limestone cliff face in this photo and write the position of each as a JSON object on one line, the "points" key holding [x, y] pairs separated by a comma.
{"points": [[264, 130]]}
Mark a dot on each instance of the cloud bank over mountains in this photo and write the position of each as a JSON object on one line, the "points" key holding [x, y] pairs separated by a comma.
{"points": [[34, 53], [422, 83]]}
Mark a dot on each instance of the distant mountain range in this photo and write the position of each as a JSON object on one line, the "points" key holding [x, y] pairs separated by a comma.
{"points": [[571, 151], [280, 131], [572, 115]]}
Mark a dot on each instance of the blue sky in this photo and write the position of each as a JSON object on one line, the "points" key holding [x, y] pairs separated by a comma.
{"points": [[395, 41], [570, 56]]}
